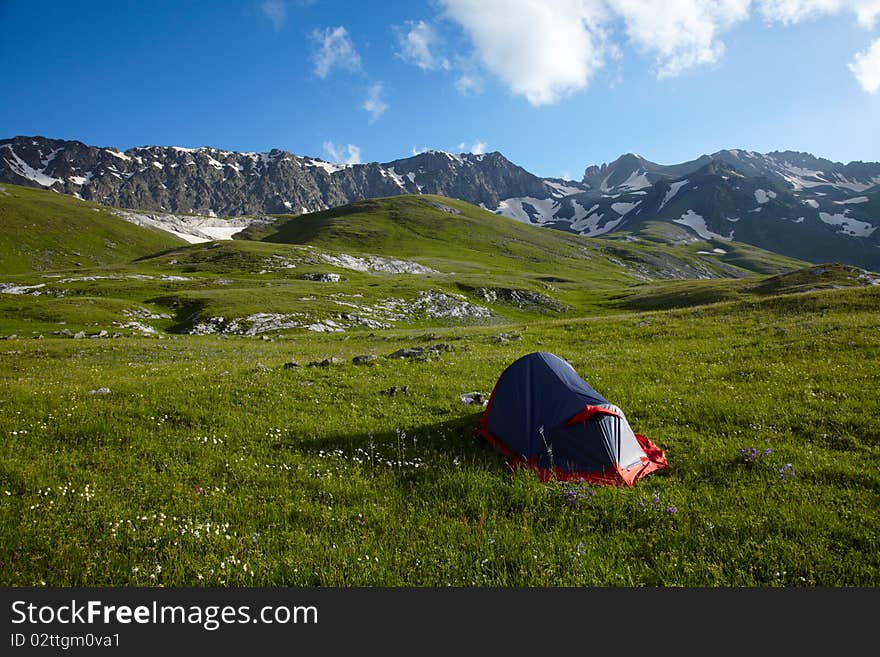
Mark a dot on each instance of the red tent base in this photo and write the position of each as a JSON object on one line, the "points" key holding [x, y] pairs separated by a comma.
{"points": [[616, 476]]}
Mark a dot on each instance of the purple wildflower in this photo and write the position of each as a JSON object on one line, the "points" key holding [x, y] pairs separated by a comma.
{"points": [[750, 454], [671, 509], [573, 495], [786, 470]]}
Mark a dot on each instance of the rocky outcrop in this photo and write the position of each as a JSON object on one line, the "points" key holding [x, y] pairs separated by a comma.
{"points": [[214, 182]]}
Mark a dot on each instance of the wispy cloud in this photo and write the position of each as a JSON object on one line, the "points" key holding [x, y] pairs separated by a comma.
{"points": [[416, 41], [866, 67], [276, 12], [468, 79], [477, 148], [348, 154], [333, 49], [794, 11], [374, 103]]}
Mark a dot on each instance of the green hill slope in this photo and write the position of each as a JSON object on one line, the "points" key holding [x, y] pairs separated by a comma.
{"points": [[445, 233], [44, 231], [413, 261]]}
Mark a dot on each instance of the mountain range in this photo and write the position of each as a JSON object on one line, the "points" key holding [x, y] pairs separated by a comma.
{"points": [[789, 202]]}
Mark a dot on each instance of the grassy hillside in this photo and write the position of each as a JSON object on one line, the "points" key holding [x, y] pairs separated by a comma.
{"points": [[419, 261], [42, 231], [683, 294], [423, 227]]}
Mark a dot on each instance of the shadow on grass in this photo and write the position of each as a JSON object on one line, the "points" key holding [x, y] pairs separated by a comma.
{"points": [[186, 311], [449, 440]]}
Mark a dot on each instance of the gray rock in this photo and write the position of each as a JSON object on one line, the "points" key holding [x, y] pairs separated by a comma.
{"points": [[79, 335], [327, 362], [363, 359], [100, 391], [199, 181], [421, 353], [290, 365], [323, 278]]}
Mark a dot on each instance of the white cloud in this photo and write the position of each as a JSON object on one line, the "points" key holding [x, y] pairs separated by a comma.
{"points": [[794, 11], [477, 148], [866, 67], [374, 103], [543, 50], [420, 150], [333, 50], [681, 34], [416, 42], [867, 11], [348, 154], [469, 81], [275, 11]]}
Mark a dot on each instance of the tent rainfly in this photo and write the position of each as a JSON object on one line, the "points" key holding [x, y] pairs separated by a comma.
{"points": [[542, 415]]}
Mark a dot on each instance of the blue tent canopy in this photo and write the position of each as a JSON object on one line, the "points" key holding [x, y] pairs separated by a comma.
{"points": [[544, 414]]}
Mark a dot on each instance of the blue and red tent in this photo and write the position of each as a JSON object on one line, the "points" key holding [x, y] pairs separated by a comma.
{"points": [[544, 416]]}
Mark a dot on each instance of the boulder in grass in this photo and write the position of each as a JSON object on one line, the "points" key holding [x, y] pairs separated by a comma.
{"points": [[327, 362]]}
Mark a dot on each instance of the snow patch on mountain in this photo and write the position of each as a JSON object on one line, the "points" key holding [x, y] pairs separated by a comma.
{"points": [[636, 180], [561, 189], [672, 191], [326, 166], [544, 209], [589, 226], [849, 226], [24, 170], [193, 229], [854, 200], [764, 195], [394, 176], [697, 223], [624, 208], [801, 178]]}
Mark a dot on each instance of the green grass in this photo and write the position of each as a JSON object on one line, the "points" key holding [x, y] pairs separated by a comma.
{"points": [[203, 468], [43, 231], [413, 227]]}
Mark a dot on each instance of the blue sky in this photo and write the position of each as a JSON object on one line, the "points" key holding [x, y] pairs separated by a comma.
{"points": [[555, 85]]}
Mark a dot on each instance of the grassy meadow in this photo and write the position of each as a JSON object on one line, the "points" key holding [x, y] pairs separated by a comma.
{"points": [[169, 459], [210, 463]]}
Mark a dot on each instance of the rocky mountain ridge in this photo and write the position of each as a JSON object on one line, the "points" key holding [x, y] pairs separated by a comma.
{"points": [[792, 202]]}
